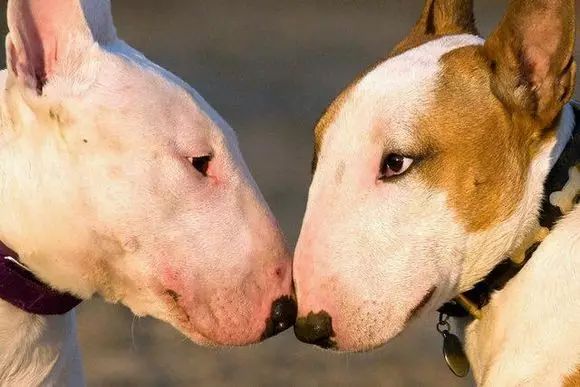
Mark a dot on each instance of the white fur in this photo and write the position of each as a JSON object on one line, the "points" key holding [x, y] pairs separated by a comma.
{"points": [[347, 258], [38, 351], [529, 332], [98, 196]]}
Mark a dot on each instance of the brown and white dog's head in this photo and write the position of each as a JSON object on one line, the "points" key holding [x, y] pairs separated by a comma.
{"points": [[118, 179], [429, 169]]}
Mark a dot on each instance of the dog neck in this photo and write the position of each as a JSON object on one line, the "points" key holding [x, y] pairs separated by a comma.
{"points": [[558, 199], [38, 350], [529, 330], [488, 314], [490, 247], [21, 288], [34, 349]]}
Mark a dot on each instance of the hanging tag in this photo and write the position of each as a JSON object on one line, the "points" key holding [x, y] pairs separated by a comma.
{"points": [[455, 355], [452, 348]]}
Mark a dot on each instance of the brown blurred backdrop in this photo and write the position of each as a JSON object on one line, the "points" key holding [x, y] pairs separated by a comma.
{"points": [[270, 68]]}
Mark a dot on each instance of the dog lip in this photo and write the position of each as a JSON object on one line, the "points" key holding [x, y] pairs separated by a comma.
{"points": [[424, 301]]}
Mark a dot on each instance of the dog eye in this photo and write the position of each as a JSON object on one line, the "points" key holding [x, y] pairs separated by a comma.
{"points": [[200, 163], [394, 165]]}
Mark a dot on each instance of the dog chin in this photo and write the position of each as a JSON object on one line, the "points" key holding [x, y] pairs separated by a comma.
{"points": [[361, 345], [215, 336], [219, 340], [390, 329], [167, 310]]}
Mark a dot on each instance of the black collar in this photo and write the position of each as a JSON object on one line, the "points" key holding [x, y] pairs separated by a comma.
{"points": [[19, 287], [561, 194]]}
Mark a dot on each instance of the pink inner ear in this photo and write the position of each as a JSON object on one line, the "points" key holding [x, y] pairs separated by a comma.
{"points": [[35, 29]]}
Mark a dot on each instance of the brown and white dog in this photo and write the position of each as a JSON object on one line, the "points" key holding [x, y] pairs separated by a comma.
{"points": [[429, 171]]}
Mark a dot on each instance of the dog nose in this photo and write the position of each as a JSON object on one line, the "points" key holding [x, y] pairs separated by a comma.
{"points": [[316, 328], [282, 316]]}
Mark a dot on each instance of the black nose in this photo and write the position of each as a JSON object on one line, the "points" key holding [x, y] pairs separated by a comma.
{"points": [[282, 317], [316, 328]]}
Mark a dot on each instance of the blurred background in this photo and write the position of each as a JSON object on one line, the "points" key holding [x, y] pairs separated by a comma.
{"points": [[270, 68]]}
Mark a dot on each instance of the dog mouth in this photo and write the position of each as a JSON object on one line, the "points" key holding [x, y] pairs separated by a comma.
{"points": [[424, 301]]}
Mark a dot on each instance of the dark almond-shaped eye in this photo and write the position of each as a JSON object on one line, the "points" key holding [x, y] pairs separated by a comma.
{"points": [[393, 165], [200, 163]]}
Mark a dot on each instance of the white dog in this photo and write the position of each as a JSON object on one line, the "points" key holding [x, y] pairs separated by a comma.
{"points": [[118, 179]]}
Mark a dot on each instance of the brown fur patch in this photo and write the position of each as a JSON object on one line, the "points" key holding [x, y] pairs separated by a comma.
{"points": [[573, 380], [438, 18], [480, 152], [494, 108]]}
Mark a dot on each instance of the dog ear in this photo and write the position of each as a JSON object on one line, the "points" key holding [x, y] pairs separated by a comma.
{"points": [[438, 18], [46, 35], [531, 55]]}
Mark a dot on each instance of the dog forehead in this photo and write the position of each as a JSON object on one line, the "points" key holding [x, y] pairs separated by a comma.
{"points": [[409, 70], [152, 93], [389, 96]]}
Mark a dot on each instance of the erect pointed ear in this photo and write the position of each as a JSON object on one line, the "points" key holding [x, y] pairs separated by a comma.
{"points": [[439, 17], [45, 35], [531, 55]]}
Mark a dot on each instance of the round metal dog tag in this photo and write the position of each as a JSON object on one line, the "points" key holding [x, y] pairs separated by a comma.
{"points": [[454, 355]]}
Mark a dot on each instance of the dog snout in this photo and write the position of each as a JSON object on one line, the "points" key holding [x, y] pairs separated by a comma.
{"points": [[282, 316], [316, 328]]}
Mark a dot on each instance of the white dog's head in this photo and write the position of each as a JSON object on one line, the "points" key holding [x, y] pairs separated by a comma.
{"points": [[118, 179], [429, 168]]}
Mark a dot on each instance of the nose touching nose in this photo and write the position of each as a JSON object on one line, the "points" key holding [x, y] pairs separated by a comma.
{"points": [[282, 316], [316, 328]]}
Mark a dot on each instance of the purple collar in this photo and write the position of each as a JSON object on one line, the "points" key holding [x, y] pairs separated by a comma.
{"points": [[21, 288]]}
